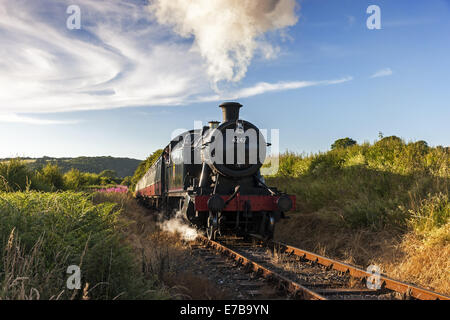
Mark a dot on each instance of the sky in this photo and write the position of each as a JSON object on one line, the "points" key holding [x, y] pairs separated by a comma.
{"points": [[136, 71]]}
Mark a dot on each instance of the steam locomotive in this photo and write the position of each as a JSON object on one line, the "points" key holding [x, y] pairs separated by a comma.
{"points": [[210, 176]]}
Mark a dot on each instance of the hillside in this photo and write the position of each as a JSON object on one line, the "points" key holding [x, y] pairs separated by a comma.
{"points": [[122, 166]]}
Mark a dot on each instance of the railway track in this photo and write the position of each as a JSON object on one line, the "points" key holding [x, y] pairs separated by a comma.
{"points": [[298, 274]]}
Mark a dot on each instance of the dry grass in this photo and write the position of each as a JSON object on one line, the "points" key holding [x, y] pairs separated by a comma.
{"points": [[423, 263], [313, 232], [25, 278], [406, 257], [187, 285]]}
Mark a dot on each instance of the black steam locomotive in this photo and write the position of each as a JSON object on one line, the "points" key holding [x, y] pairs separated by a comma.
{"points": [[211, 177]]}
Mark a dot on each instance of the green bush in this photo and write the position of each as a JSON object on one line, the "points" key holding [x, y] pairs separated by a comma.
{"points": [[15, 176], [52, 175]]}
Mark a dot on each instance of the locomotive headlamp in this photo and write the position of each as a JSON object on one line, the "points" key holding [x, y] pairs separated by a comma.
{"points": [[216, 203], [284, 203]]}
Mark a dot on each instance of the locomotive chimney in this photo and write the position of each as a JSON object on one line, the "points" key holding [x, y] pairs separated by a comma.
{"points": [[230, 111]]}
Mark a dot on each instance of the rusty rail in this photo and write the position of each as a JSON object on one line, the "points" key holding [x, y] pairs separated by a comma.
{"points": [[386, 282], [293, 287]]}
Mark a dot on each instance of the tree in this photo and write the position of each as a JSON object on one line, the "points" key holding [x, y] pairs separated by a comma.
{"points": [[108, 174], [74, 179], [127, 181], [421, 146], [343, 143], [52, 175], [391, 140], [144, 166]]}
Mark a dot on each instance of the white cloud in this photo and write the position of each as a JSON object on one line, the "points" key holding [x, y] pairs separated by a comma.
{"points": [[118, 59], [227, 32], [382, 73], [264, 87], [14, 118], [123, 58]]}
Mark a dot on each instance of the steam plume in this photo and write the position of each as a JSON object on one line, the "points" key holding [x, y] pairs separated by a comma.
{"points": [[178, 225], [227, 33]]}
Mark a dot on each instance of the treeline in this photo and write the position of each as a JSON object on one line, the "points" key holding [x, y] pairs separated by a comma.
{"points": [[143, 168], [16, 175], [389, 154], [123, 167]]}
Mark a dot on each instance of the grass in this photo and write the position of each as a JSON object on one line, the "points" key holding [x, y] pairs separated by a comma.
{"points": [[384, 203], [116, 243], [42, 234]]}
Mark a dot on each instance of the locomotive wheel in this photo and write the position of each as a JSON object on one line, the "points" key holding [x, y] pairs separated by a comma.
{"points": [[267, 227], [211, 233], [269, 233], [270, 229], [211, 230]]}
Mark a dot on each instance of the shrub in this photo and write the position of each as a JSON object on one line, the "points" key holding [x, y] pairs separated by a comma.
{"points": [[15, 176], [74, 180], [52, 175]]}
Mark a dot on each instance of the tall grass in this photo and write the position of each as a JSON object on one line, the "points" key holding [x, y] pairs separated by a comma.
{"points": [[41, 234], [371, 185], [385, 203]]}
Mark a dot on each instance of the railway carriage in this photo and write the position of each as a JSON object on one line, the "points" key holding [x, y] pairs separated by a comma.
{"points": [[211, 177]]}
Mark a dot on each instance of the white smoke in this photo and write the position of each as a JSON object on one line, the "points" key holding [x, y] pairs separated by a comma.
{"points": [[227, 33], [178, 225]]}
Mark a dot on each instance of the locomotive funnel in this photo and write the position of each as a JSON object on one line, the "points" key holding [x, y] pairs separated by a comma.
{"points": [[230, 111]]}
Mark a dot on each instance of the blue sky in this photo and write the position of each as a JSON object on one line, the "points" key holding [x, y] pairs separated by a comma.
{"points": [[130, 76]]}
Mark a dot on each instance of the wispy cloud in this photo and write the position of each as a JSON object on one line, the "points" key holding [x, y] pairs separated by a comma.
{"points": [[382, 73], [265, 87], [15, 118], [119, 58], [123, 56]]}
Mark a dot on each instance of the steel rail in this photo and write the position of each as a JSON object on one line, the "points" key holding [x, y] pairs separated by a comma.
{"points": [[386, 282], [291, 286]]}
